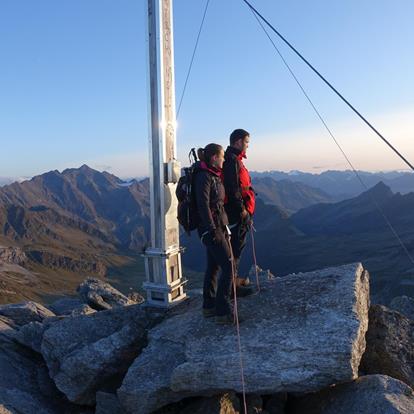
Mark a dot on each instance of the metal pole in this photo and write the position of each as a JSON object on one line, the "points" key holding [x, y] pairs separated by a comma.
{"points": [[165, 284]]}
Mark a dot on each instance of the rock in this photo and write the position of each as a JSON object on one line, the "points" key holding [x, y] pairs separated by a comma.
{"points": [[108, 403], [82, 310], [25, 312], [372, 394], [404, 305], [16, 401], [12, 255], [89, 353], [25, 386], [31, 335], [390, 345], [101, 295], [300, 334], [7, 329], [70, 306], [136, 297]]}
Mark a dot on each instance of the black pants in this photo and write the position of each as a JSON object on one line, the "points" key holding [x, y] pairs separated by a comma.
{"points": [[217, 294], [238, 241]]}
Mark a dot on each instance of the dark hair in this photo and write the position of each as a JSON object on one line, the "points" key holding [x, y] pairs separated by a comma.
{"points": [[238, 134], [205, 154]]}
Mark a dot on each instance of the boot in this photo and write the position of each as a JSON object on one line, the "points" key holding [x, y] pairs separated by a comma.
{"points": [[240, 281], [225, 319], [242, 291], [209, 312]]}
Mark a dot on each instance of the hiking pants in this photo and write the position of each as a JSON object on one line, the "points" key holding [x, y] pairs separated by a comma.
{"points": [[238, 241], [217, 294]]}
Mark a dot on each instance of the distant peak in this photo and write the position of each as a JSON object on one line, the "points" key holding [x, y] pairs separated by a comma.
{"points": [[381, 187], [85, 167], [380, 191]]}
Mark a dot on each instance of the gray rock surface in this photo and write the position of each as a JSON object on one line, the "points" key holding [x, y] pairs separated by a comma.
{"points": [[404, 305], [83, 310], [88, 353], [25, 386], [390, 345], [25, 312], [101, 295], [70, 307], [108, 403], [7, 329], [302, 333], [31, 335], [373, 394]]}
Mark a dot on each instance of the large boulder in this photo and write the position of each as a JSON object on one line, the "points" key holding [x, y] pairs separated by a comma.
{"points": [[404, 305], [373, 394], [25, 312], [25, 386], [88, 353], [302, 333], [390, 345], [101, 295]]}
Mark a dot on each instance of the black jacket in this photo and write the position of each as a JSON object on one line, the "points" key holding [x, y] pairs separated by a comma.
{"points": [[209, 192]]}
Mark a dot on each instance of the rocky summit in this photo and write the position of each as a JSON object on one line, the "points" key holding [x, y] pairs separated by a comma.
{"points": [[310, 343], [301, 333]]}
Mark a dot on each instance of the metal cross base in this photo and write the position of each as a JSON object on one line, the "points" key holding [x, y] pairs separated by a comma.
{"points": [[165, 284]]}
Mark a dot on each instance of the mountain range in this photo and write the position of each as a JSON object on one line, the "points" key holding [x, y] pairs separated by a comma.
{"points": [[345, 184], [290, 196], [64, 226], [78, 222]]}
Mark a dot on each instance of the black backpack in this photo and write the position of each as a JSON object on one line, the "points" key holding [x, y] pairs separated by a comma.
{"points": [[187, 214]]}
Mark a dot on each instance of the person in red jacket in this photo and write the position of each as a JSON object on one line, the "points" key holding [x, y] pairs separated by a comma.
{"points": [[240, 196]]}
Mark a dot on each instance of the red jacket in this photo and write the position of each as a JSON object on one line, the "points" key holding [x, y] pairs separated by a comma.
{"points": [[238, 185]]}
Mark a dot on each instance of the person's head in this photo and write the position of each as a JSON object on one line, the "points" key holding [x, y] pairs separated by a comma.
{"points": [[240, 139], [212, 154]]}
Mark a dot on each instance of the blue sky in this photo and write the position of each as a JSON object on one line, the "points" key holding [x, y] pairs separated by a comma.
{"points": [[73, 83]]}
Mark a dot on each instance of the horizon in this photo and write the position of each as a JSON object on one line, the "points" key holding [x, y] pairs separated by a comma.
{"points": [[73, 97], [4, 180]]}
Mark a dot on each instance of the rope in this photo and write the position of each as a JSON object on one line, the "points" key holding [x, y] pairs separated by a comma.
{"points": [[257, 14], [192, 58], [252, 229], [236, 321], [380, 210]]}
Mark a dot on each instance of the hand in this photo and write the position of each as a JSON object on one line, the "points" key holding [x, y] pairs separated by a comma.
{"points": [[246, 218]]}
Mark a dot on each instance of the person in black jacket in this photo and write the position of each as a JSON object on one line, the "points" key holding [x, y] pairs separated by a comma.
{"points": [[214, 234]]}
